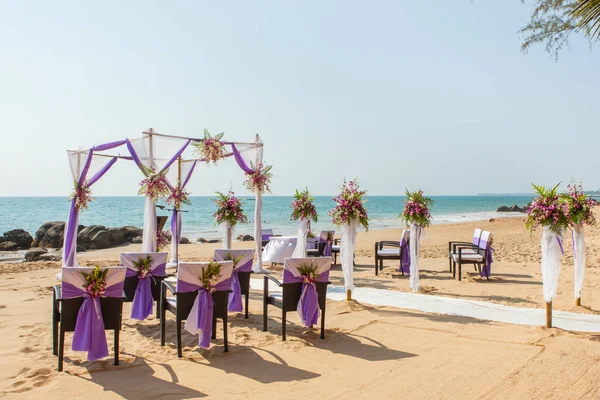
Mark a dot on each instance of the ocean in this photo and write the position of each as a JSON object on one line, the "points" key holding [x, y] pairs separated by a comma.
{"points": [[30, 212]]}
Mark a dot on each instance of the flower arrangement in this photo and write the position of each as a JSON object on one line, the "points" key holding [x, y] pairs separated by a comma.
{"points": [[144, 266], [211, 149], [154, 185], [229, 209], [210, 276], [259, 178], [416, 209], [546, 211], [95, 282], [82, 195], [178, 197], [303, 206], [308, 273], [162, 239], [349, 205], [577, 206]]}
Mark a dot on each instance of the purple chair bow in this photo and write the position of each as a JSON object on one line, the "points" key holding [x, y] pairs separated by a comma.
{"points": [[308, 306], [242, 260], [405, 252], [200, 318], [143, 300], [89, 332], [327, 238], [485, 244]]}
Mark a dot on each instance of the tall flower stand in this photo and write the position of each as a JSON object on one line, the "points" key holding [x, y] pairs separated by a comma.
{"points": [[347, 255], [551, 253], [227, 235], [579, 261], [415, 243]]}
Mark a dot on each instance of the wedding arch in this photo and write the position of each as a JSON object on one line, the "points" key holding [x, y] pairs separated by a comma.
{"points": [[155, 153]]}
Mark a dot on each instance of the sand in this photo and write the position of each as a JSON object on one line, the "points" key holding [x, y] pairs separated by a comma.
{"points": [[368, 351]]}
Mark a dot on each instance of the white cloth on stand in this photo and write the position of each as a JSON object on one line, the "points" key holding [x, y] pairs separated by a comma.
{"points": [[300, 250], [551, 255], [279, 248], [415, 243], [347, 252], [227, 235], [579, 260]]}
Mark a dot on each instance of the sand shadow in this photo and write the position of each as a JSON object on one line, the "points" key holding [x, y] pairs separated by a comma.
{"points": [[444, 318], [142, 383], [250, 364], [352, 345]]}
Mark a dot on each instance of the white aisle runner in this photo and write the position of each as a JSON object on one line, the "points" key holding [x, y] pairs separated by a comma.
{"points": [[464, 308]]}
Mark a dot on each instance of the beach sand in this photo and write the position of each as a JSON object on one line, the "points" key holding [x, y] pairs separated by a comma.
{"points": [[368, 351]]}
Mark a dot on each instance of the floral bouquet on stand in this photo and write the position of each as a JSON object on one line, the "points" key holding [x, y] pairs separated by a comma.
{"points": [[211, 149], [154, 186], [577, 207], [82, 195], [229, 213], [163, 238], [177, 197], [259, 178], [548, 212], [416, 215], [303, 209]]}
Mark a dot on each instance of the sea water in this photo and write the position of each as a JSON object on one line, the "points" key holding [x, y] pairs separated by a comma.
{"points": [[30, 212]]}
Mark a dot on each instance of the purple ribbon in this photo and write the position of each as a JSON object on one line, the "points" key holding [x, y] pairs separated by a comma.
{"points": [[143, 303], [405, 261], [205, 317], [328, 246], [486, 271], [235, 297], [89, 332], [308, 307], [560, 245]]}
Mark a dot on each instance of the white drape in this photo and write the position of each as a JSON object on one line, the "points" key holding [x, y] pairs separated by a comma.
{"points": [[300, 250], [149, 234], [579, 259], [551, 254], [347, 252], [227, 235], [174, 244], [415, 243]]}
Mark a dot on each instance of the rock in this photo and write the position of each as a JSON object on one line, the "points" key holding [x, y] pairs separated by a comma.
{"points": [[492, 220], [34, 253], [130, 232], [503, 209], [214, 241], [117, 237], [514, 208], [201, 240], [137, 239], [81, 249], [48, 257], [2, 239], [19, 236], [8, 246], [184, 240], [50, 234], [101, 240], [86, 234], [247, 238]]}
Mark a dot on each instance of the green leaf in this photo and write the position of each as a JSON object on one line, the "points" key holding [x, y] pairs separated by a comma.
{"points": [[218, 136]]}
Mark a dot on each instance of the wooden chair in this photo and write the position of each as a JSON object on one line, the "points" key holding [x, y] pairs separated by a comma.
{"points": [[389, 250], [452, 247], [320, 250], [291, 292], [65, 311], [243, 270], [184, 297], [471, 254], [159, 261]]}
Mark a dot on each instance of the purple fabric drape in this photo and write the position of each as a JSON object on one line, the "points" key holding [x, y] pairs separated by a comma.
{"points": [[240, 161], [70, 238], [176, 218], [204, 313], [143, 303], [405, 251], [486, 271], [328, 246], [308, 307], [235, 297], [89, 332]]}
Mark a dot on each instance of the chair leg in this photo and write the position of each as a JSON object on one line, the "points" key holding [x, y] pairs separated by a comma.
{"points": [[459, 271], [116, 347], [283, 325], [158, 309], [265, 310], [61, 348], [323, 323], [246, 308], [214, 328], [55, 319], [225, 342], [376, 266], [162, 324], [450, 264], [179, 352]]}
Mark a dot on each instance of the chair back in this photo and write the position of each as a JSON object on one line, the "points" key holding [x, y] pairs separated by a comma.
{"points": [[324, 236], [266, 234], [74, 289], [158, 263], [292, 279], [189, 281], [484, 241], [242, 258], [405, 236], [476, 237]]}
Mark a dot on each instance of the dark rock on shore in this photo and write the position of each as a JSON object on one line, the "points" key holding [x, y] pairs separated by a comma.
{"points": [[184, 240], [130, 232], [201, 240], [50, 234], [137, 239], [214, 241], [514, 208], [34, 254], [8, 246], [19, 236]]}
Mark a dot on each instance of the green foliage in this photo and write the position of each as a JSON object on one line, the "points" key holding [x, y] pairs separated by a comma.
{"points": [[229, 257]]}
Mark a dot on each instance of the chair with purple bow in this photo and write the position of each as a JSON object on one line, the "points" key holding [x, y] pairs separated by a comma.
{"points": [[240, 278], [89, 302], [324, 245], [304, 289], [392, 250], [200, 297], [145, 272], [452, 247], [480, 256], [266, 235]]}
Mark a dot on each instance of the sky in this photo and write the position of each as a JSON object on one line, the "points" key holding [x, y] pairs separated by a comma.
{"points": [[400, 94]]}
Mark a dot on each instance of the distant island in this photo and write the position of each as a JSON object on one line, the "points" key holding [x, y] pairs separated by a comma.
{"points": [[506, 194]]}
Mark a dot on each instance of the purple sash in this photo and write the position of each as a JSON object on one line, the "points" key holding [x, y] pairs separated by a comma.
{"points": [[308, 307], [235, 297], [204, 312], [328, 245], [405, 261], [143, 303], [89, 332], [486, 271]]}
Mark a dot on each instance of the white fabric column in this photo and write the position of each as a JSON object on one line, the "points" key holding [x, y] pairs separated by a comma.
{"points": [[176, 236], [415, 243], [579, 259], [300, 250], [550, 263], [258, 232], [347, 252], [227, 235], [149, 234]]}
